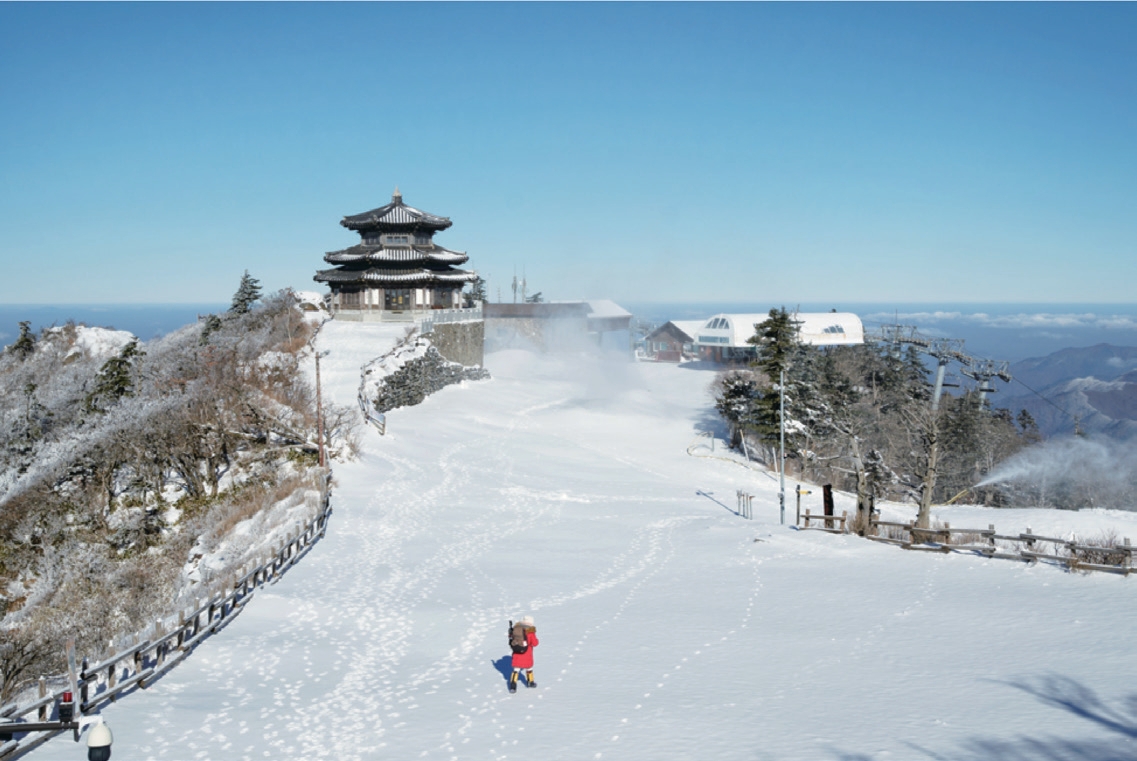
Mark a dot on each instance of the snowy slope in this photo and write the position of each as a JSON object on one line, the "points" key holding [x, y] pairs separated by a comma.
{"points": [[669, 627]]}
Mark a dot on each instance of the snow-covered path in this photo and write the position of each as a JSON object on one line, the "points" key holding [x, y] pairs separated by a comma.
{"points": [[670, 628]]}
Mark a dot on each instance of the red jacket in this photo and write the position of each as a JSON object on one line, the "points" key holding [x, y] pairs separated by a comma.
{"points": [[525, 660]]}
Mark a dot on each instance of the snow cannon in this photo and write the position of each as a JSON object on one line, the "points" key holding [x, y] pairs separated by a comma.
{"points": [[99, 741]]}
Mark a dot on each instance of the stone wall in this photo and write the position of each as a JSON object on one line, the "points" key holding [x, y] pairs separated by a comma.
{"points": [[461, 342], [421, 377]]}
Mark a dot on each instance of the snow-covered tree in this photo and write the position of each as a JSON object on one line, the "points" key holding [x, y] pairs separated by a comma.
{"points": [[248, 292], [211, 324], [115, 379], [25, 343]]}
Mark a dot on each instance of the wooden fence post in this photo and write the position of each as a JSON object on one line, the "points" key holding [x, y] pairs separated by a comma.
{"points": [[160, 632], [43, 694], [112, 673], [84, 690]]}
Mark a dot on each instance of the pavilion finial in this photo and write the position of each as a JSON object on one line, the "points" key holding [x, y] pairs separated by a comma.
{"points": [[397, 197]]}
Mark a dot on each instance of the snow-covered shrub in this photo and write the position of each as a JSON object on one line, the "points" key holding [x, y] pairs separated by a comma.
{"points": [[115, 456]]}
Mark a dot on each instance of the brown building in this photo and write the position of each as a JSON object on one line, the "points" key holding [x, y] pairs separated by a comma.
{"points": [[672, 342]]}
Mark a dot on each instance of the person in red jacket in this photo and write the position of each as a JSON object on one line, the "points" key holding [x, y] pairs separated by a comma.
{"points": [[525, 660]]}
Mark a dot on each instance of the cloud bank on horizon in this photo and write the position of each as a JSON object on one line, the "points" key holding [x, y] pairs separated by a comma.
{"points": [[1039, 320]]}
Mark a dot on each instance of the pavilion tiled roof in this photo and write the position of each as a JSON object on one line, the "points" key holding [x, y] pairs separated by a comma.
{"points": [[365, 253], [396, 215], [383, 276]]}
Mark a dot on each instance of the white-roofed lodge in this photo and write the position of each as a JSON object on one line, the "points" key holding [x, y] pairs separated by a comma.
{"points": [[723, 338]]}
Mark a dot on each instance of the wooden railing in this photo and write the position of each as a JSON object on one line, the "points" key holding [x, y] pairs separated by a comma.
{"points": [[157, 650], [1026, 546], [841, 521]]}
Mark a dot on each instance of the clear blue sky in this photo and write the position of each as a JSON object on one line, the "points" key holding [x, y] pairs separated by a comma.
{"points": [[644, 152]]}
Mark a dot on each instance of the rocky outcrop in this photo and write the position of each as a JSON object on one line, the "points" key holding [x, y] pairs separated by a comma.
{"points": [[420, 377]]}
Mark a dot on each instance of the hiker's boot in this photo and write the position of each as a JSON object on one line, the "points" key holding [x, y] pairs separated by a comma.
{"points": [[530, 681], [513, 682]]}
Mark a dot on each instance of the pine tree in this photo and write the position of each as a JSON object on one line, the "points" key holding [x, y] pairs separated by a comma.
{"points": [[776, 338], [1029, 427], [115, 379], [25, 344], [735, 398], [777, 342], [212, 324], [35, 421], [477, 292], [247, 293]]}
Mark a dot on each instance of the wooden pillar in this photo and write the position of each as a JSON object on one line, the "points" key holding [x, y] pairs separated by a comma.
{"points": [[827, 500]]}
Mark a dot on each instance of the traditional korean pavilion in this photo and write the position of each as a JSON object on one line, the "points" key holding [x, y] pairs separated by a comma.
{"points": [[396, 268]]}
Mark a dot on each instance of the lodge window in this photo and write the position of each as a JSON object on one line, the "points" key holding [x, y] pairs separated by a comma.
{"points": [[397, 240]]}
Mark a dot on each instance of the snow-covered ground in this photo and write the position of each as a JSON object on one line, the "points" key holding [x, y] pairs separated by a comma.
{"points": [[670, 628]]}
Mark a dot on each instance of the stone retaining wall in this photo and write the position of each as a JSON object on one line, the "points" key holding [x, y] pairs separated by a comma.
{"points": [[461, 342]]}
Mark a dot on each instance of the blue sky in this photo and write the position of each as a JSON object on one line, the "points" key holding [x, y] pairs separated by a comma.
{"points": [[644, 152]]}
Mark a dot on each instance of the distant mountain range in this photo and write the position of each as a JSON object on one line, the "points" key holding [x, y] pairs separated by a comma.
{"points": [[1095, 385]]}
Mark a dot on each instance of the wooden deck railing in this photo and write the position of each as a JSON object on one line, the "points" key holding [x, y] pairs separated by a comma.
{"points": [[157, 650]]}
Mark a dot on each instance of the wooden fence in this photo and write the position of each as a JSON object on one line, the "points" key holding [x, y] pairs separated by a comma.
{"points": [[157, 650], [834, 524], [1027, 546]]}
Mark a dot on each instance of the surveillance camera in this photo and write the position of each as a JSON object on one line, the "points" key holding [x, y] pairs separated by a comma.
{"points": [[99, 743]]}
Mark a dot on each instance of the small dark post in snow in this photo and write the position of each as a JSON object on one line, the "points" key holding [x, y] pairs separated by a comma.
{"points": [[827, 500]]}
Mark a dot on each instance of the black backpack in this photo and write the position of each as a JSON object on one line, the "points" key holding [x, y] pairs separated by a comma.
{"points": [[518, 642]]}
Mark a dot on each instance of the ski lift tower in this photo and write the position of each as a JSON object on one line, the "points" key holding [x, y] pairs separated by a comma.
{"points": [[982, 371], [945, 350]]}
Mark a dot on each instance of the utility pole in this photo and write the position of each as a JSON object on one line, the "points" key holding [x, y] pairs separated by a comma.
{"points": [[782, 445], [320, 412]]}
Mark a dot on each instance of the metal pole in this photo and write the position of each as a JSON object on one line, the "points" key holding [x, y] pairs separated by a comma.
{"points": [[782, 445], [939, 383], [319, 413]]}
